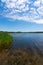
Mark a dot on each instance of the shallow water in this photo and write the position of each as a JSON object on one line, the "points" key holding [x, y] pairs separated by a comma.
{"points": [[32, 41]]}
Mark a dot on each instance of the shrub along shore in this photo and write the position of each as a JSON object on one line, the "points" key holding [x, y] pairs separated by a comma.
{"points": [[5, 40]]}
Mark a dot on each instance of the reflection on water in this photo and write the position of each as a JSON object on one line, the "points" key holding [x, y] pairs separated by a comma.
{"points": [[33, 41]]}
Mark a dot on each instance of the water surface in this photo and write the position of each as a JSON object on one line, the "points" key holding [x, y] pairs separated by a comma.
{"points": [[32, 41]]}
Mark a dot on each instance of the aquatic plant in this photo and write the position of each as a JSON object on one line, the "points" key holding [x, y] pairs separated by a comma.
{"points": [[19, 57]]}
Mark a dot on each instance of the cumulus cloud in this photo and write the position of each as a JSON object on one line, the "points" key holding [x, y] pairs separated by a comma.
{"points": [[26, 10]]}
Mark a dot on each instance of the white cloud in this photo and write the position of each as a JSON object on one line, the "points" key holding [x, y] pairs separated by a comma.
{"points": [[27, 18], [18, 4], [39, 21], [40, 10], [26, 10], [37, 3], [41, 1], [20, 1]]}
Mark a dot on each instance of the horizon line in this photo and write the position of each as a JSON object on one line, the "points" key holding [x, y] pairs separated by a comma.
{"points": [[23, 31]]}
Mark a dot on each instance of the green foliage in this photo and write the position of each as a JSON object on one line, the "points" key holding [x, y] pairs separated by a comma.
{"points": [[5, 40]]}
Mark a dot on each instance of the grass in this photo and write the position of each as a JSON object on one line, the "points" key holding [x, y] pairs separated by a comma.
{"points": [[5, 40], [19, 57]]}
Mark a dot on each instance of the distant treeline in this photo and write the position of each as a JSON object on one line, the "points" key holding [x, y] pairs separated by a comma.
{"points": [[22, 32]]}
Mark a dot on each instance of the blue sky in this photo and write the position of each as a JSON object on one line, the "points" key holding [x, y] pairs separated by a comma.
{"points": [[21, 15]]}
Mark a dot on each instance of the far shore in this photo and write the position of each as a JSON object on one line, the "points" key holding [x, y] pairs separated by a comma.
{"points": [[23, 32]]}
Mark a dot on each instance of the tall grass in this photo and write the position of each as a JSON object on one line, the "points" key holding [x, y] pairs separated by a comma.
{"points": [[5, 40], [19, 57]]}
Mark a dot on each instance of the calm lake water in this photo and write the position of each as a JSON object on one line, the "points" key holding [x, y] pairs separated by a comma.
{"points": [[32, 41]]}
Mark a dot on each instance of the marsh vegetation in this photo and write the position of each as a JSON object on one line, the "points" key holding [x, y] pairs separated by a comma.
{"points": [[19, 57], [5, 40]]}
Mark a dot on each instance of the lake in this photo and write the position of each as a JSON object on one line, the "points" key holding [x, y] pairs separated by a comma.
{"points": [[29, 41]]}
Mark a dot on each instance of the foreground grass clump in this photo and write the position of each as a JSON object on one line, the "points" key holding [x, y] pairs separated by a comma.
{"points": [[5, 40], [19, 57]]}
